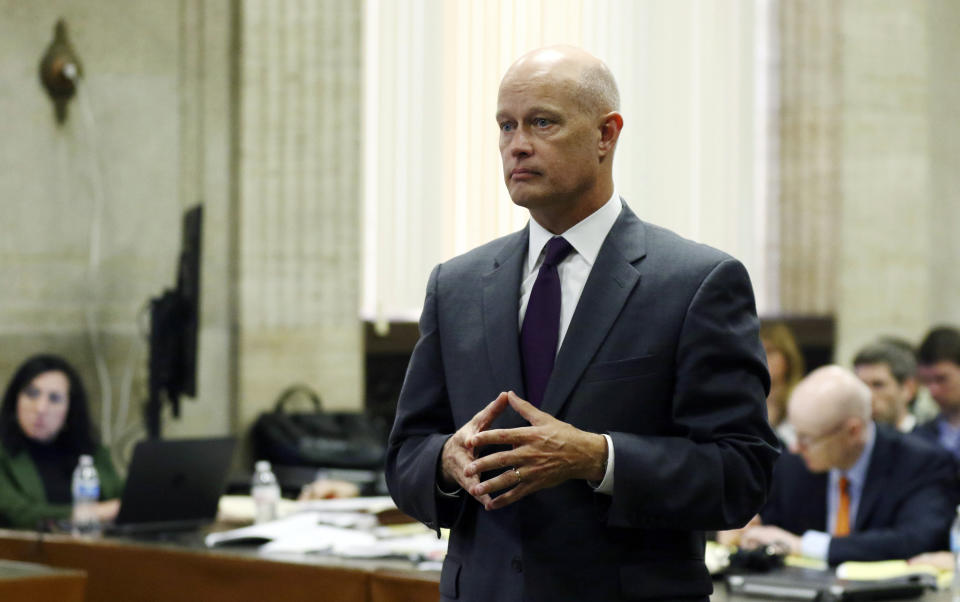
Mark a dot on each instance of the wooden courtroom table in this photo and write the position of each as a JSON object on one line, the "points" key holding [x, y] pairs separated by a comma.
{"points": [[28, 582], [135, 571]]}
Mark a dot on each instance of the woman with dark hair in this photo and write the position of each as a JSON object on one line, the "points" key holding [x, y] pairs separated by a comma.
{"points": [[44, 429]]}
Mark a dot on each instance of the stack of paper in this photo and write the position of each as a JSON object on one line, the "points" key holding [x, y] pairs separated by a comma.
{"points": [[344, 527]]}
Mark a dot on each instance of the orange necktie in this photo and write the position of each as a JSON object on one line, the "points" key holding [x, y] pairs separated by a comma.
{"points": [[842, 528]]}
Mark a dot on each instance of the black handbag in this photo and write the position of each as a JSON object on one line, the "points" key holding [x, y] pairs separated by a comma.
{"points": [[317, 438]]}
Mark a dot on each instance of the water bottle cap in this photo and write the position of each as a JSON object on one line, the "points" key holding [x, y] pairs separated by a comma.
{"points": [[86, 460], [262, 466]]}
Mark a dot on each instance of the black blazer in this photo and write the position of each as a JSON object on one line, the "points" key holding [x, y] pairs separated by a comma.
{"points": [[662, 353], [928, 431], [906, 508]]}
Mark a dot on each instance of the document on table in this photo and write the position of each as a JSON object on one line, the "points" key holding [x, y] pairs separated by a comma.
{"points": [[347, 534]]}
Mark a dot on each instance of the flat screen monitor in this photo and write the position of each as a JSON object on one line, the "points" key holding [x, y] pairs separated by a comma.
{"points": [[174, 320]]}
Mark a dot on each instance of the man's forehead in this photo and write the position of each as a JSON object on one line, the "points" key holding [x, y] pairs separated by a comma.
{"points": [[941, 366], [546, 92], [561, 60], [883, 368], [536, 83]]}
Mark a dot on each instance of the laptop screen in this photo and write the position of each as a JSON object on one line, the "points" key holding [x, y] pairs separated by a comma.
{"points": [[175, 483]]}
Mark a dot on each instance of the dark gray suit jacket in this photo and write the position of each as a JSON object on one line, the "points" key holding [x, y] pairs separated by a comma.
{"points": [[662, 353]]}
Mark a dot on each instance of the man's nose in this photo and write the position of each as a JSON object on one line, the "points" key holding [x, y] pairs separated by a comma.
{"points": [[520, 143]]}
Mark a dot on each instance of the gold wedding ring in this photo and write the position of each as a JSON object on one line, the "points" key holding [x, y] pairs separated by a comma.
{"points": [[516, 471]]}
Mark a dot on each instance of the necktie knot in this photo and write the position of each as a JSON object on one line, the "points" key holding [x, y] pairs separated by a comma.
{"points": [[557, 249]]}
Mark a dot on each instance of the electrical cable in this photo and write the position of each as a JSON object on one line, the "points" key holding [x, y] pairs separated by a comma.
{"points": [[93, 270], [126, 383]]}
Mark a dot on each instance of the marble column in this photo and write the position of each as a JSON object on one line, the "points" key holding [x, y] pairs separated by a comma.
{"points": [[869, 204], [886, 273], [810, 147], [298, 233]]}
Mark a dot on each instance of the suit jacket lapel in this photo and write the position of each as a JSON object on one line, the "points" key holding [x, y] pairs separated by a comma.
{"points": [[612, 279], [876, 482], [816, 515], [501, 329]]}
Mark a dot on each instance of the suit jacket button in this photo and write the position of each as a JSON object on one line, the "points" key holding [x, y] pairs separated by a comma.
{"points": [[516, 564]]}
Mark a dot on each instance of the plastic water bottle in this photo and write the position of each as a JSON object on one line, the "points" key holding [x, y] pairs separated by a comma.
{"points": [[955, 548], [265, 492], [86, 494]]}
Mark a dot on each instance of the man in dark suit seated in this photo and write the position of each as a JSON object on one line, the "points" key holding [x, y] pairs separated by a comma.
{"points": [[938, 360], [890, 372], [853, 490]]}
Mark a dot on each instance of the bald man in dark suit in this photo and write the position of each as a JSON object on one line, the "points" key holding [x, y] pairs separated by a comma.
{"points": [[853, 489], [587, 395]]}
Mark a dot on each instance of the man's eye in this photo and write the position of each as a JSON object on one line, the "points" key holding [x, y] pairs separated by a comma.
{"points": [[540, 122], [506, 127]]}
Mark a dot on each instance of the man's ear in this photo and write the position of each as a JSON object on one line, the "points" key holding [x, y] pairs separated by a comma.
{"points": [[610, 127], [910, 386]]}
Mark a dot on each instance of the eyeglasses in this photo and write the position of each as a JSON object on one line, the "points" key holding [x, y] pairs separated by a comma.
{"points": [[808, 441]]}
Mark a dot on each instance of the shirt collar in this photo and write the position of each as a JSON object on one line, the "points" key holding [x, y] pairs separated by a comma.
{"points": [[586, 236], [947, 429], [858, 472], [908, 423]]}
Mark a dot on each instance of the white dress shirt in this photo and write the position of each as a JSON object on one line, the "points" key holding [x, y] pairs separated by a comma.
{"points": [[816, 544], [586, 238]]}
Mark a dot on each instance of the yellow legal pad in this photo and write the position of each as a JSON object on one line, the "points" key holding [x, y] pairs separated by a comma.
{"points": [[889, 569]]}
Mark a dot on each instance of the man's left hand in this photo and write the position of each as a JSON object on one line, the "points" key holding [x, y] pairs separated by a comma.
{"points": [[765, 535], [544, 454]]}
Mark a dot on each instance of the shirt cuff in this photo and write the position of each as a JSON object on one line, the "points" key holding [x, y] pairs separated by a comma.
{"points": [[815, 544], [606, 485]]}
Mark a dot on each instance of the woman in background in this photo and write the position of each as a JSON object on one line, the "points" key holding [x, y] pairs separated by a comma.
{"points": [[44, 428], [786, 369]]}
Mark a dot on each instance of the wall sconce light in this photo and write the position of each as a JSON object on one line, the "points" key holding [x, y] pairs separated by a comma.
{"points": [[60, 71]]}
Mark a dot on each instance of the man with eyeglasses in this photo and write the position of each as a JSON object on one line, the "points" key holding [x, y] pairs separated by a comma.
{"points": [[853, 489]]}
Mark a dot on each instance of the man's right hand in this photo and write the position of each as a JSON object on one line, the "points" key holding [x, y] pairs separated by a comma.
{"points": [[457, 454]]}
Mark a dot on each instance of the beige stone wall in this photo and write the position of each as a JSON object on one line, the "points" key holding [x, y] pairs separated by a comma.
{"points": [[885, 220], [299, 203], [944, 103], [810, 71], [253, 108], [869, 165], [91, 208]]}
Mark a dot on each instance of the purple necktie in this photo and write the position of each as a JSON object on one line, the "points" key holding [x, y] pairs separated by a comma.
{"points": [[541, 323]]}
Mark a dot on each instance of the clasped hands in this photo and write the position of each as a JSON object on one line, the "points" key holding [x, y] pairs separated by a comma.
{"points": [[544, 454]]}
